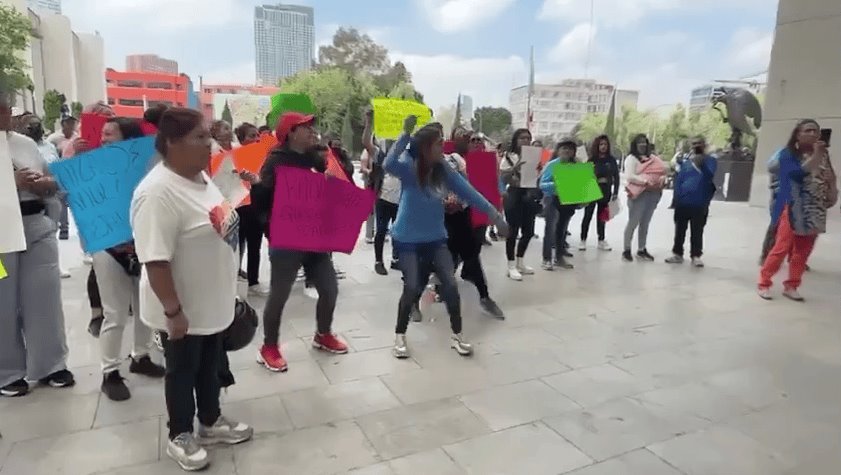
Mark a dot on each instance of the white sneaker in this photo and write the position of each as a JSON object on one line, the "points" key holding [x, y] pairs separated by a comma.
{"points": [[514, 273], [64, 273], [582, 246], [697, 262], [764, 293], [258, 290], [311, 292], [793, 294], [604, 246], [189, 455], [523, 268], [462, 347], [548, 266], [87, 259]]}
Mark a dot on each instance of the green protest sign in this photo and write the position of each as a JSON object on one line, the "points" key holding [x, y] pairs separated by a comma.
{"points": [[576, 183], [286, 102]]}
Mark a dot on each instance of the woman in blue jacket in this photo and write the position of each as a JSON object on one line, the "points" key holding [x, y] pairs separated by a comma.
{"points": [[419, 234]]}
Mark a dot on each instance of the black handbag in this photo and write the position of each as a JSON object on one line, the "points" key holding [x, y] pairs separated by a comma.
{"points": [[242, 329]]}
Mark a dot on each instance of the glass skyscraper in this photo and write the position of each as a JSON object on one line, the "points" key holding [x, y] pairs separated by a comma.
{"points": [[284, 40], [53, 6]]}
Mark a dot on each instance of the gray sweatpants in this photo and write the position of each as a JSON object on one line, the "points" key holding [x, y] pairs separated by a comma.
{"points": [[32, 339], [640, 211]]}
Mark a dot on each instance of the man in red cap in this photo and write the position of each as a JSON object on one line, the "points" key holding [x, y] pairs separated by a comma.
{"points": [[297, 139]]}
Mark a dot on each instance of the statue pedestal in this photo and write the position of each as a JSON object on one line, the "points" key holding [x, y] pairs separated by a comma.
{"points": [[733, 177], [804, 81]]}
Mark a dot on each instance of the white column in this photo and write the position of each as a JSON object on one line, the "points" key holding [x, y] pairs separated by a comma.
{"points": [[804, 81]]}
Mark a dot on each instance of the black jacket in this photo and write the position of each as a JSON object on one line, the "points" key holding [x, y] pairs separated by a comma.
{"points": [[262, 194], [608, 167]]}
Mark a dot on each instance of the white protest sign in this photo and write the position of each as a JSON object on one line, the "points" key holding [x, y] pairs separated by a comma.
{"points": [[12, 238], [530, 159], [229, 183]]}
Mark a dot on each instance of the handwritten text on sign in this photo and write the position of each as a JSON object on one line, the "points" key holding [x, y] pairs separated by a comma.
{"points": [[99, 186], [315, 213], [389, 115]]}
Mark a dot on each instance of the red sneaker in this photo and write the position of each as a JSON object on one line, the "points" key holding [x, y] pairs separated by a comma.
{"points": [[329, 342], [271, 358]]}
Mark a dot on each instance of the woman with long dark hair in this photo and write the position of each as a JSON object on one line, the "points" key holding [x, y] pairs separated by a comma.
{"points": [[520, 206], [607, 176], [186, 238], [118, 275], [646, 176], [808, 187], [250, 224], [419, 233]]}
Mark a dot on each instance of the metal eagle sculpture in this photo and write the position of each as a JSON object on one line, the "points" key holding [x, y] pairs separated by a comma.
{"points": [[741, 105]]}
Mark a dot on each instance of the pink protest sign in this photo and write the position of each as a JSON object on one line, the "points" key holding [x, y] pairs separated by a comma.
{"points": [[315, 213], [482, 174]]}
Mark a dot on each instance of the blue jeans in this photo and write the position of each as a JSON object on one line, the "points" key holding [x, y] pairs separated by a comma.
{"points": [[417, 262]]}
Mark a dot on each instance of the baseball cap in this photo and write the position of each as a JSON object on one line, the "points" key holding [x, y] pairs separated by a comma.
{"points": [[289, 121]]}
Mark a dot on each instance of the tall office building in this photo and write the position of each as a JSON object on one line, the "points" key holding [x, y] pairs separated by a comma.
{"points": [[284, 40], [151, 63], [43, 6]]}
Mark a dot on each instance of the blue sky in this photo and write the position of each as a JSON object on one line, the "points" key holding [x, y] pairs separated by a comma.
{"points": [[479, 47]]}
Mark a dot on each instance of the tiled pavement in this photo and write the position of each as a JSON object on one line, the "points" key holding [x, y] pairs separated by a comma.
{"points": [[610, 369]]}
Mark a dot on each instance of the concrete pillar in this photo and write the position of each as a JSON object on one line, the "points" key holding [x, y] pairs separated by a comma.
{"points": [[804, 81]]}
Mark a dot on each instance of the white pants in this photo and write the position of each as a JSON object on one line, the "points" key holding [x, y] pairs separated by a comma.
{"points": [[119, 291]]}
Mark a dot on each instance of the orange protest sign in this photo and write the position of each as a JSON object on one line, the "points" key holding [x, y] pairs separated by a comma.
{"points": [[334, 168], [545, 156], [249, 157]]}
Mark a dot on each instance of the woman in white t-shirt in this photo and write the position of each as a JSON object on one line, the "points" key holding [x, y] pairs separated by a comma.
{"points": [[186, 237]]}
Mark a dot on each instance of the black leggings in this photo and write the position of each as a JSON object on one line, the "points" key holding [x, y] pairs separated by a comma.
{"points": [[520, 212], [600, 205], [465, 247], [386, 214], [93, 292], [250, 236]]}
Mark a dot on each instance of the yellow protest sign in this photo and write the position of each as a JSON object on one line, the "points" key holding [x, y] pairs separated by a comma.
{"points": [[2, 271], [390, 113]]}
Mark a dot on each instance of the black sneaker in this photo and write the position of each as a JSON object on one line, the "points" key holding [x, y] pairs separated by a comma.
{"points": [[626, 256], [15, 389], [114, 386], [63, 235], [416, 314], [644, 255], [491, 308], [59, 379], [494, 236], [566, 253], [380, 269], [146, 367], [95, 326], [395, 264], [563, 264]]}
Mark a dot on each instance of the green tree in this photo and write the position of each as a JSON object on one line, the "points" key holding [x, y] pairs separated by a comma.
{"points": [[52, 108], [354, 52], [76, 109], [226, 114], [15, 30], [495, 122], [404, 90]]}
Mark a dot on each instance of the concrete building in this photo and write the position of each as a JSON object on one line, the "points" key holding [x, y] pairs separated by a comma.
{"points": [[466, 109], [626, 98], [129, 93], [151, 63], [60, 59], [791, 94], [246, 101], [284, 40], [699, 98], [45, 6], [557, 108]]}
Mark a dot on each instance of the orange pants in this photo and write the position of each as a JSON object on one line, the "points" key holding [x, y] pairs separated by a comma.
{"points": [[797, 248]]}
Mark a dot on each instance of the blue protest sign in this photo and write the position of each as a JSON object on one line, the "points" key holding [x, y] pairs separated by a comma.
{"points": [[99, 186]]}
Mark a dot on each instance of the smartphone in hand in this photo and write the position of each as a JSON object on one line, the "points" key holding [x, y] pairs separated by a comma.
{"points": [[826, 136]]}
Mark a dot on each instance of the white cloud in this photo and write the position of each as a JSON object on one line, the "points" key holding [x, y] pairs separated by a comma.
{"points": [[487, 80], [240, 73], [451, 16], [574, 46], [750, 51]]}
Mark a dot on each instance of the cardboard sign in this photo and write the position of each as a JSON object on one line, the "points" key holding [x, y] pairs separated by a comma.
{"points": [[389, 115], [285, 102], [576, 183], [249, 158], [334, 168], [482, 174], [3, 273], [12, 238], [229, 183], [99, 186], [92, 125], [530, 169], [315, 213]]}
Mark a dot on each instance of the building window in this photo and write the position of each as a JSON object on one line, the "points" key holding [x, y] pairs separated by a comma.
{"points": [[131, 102], [110, 101], [129, 83], [159, 85]]}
